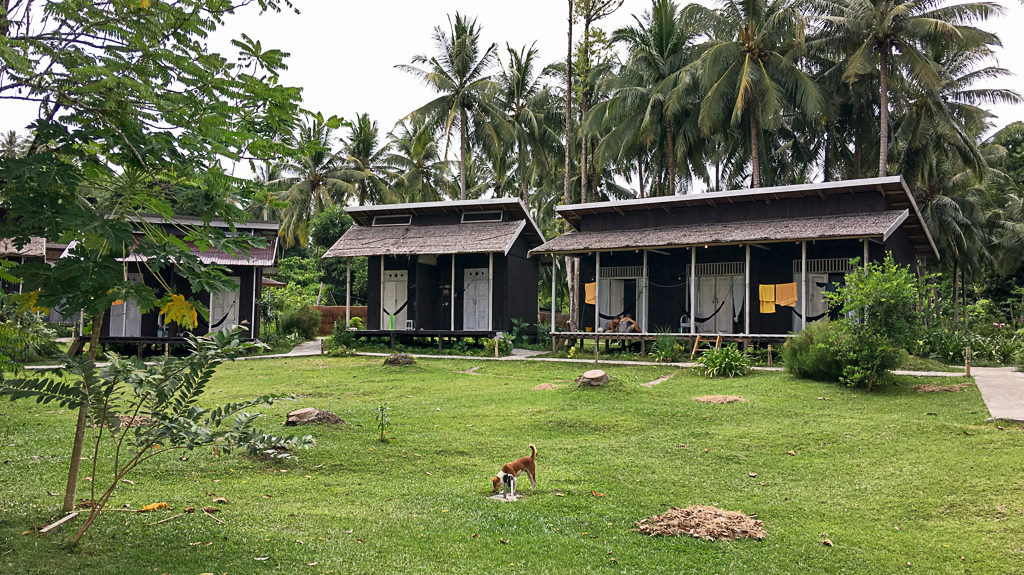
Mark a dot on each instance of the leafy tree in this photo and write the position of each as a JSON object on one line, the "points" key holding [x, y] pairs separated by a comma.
{"points": [[459, 74], [420, 173], [12, 145], [367, 157], [131, 101], [1012, 139]]}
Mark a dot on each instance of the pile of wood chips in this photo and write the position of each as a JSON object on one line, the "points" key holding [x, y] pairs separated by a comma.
{"points": [[703, 523], [719, 399], [134, 421], [935, 386]]}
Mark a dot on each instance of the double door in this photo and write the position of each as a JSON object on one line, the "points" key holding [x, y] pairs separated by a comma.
{"points": [[394, 305], [719, 300], [476, 300], [224, 308]]}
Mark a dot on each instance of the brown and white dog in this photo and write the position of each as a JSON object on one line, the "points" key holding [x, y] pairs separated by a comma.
{"points": [[510, 471]]}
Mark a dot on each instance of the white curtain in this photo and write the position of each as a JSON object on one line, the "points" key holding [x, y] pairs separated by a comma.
{"points": [[739, 294]]}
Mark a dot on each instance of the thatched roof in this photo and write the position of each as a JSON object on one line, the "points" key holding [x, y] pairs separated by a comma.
{"points": [[427, 240], [894, 188], [876, 224], [35, 248]]}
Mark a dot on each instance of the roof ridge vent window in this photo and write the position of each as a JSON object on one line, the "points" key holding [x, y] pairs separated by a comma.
{"points": [[476, 217], [399, 220]]}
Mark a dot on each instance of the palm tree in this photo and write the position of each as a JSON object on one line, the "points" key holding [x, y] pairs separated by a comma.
{"points": [[12, 145], [419, 171], [750, 71], [884, 36], [367, 157], [529, 105], [458, 74], [315, 177], [651, 98]]}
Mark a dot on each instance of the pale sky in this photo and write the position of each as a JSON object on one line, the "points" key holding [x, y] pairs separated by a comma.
{"points": [[343, 53]]}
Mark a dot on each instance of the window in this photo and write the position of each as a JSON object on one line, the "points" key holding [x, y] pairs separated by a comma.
{"points": [[473, 217], [402, 220]]}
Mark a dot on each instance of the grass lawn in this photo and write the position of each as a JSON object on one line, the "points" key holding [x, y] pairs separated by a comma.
{"points": [[892, 478]]}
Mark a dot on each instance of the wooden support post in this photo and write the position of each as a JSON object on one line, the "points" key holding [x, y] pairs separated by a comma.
{"points": [[453, 295], [392, 341], [440, 344], [597, 295], [769, 355], [746, 297], [803, 285], [490, 293], [644, 287], [967, 362], [696, 344], [597, 348], [718, 342], [693, 293], [348, 292]]}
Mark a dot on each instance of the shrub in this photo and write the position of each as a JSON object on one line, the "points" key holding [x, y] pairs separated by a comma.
{"points": [[666, 349], [726, 361], [356, 323], [341, 336], [811, 353], [518, 335], [544, 334], [504, 346], [304, 321]]}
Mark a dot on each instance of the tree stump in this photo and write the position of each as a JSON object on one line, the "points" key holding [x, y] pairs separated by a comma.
{"points": [[311, 415], [593, 377]]}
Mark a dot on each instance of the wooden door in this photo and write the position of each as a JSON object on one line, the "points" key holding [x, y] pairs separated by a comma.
{"points": [[714, 293], [817, 303], [224, 308], [475, 300], [395, 300]]}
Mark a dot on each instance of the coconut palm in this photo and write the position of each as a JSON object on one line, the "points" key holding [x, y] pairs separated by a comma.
{"points": [[418, 170], [12, 145], [367, 157], [314, 178], [750, 69], [887, 36], [651, 104], [459, 74], [529, 106]]}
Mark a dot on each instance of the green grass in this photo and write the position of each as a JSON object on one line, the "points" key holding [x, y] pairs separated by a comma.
{"points": [[865, 465]]}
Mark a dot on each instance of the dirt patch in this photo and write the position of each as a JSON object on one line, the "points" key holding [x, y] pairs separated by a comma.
{"points": [[472, 370], [134, 421], [719, 399], [544, 386], [936, 386], [703, 522], [661, 379]]}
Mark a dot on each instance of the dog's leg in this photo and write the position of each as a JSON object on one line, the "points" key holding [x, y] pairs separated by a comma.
{"points": [[533, 480], [512, 487]]}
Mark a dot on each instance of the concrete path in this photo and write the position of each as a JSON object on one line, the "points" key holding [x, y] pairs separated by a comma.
{"points": [[306, 348], [1003, 391]]}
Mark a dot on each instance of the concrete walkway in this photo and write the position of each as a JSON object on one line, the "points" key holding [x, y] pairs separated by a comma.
{"points": [[1002, 388]]}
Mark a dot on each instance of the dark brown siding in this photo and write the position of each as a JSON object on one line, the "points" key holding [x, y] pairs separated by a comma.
{"points": [[373, 294], [521, 287]]}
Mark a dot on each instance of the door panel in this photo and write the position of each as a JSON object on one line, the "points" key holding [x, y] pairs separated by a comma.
{"points": [[125, 318], [396, 296], [816, 301], [475, 304], [715, 293]]}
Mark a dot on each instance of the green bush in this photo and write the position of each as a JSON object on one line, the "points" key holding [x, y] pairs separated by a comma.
{"points": [[341, 336], [811, 354], [504, 346], [666, 349], [726, 361], [304, 321]]}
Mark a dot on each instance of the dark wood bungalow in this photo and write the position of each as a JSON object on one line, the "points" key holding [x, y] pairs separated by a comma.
{"points": [[445, 268], [34, 250], [696, 264], [126, 324]]}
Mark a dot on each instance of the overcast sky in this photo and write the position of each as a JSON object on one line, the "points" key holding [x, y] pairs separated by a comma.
{"points": [[343, 53]]}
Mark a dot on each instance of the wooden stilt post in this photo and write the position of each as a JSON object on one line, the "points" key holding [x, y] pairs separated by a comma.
{"points": [[597, 348], [769, 355], [348, 292], [696, 344], [967, 362], [693, 294]]}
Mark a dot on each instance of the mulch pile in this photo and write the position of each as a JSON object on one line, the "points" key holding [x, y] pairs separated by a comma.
{"points": [[544, 386], [703, 523], [935, 386], [399, 359], [719, 399]]}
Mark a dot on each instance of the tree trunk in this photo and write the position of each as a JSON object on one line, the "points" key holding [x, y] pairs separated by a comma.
{"points": [[956, 292], [320, 294], [669, 132], [83, 412], [571, 264], [661, 176], [755, 149], [827, 168], [640, 175], [462, 152], [594, 183], [883, 105]]}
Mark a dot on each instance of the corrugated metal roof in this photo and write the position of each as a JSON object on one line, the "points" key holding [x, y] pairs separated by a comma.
{"points": [[258, 257], [875, 224], [36, 247], [427, 240]]}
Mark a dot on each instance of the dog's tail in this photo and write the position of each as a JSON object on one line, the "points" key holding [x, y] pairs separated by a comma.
{"points": [[533, 451]]}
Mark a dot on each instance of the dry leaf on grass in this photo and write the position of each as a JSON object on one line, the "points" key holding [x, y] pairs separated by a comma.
{"points": [[703, 522], [752, 474], [936, 386], [596, 494], [791, 452], [719, 399], [218, 500], [154, 507], [828, 543], [210, 509]]}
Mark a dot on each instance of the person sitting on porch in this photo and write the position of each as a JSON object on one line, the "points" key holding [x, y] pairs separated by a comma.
{"points": [[626, 325]]}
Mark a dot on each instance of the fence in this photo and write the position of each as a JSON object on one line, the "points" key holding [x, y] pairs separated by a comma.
{"points": [[562, 319], [329, 314]]}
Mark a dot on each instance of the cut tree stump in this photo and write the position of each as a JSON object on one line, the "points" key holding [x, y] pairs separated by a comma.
{"points": [[593, 377], [311, 415]]}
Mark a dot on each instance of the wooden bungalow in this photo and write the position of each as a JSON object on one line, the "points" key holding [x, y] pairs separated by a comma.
{"points": [[125, 324], [34, 250], [444, 269], [750, 265]]}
